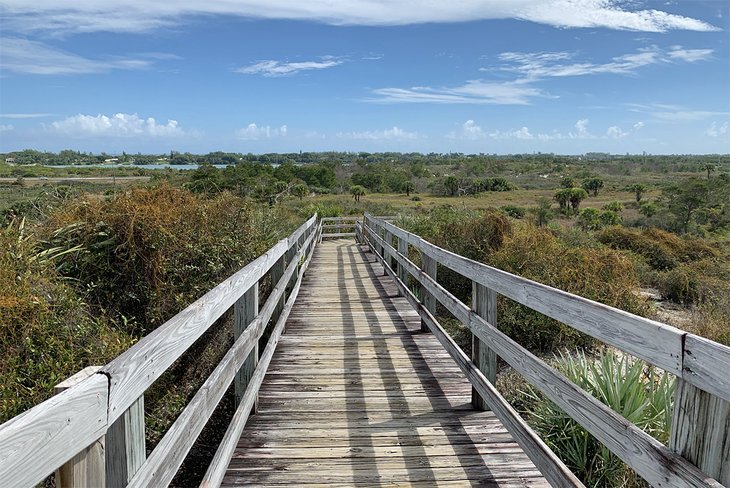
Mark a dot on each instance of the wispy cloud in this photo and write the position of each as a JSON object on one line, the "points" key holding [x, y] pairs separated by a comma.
{"points": [[470, 130], [25, 116], [396, 133], [474, 92], [30, 57], [674, 113], [6, 127], [283, 68], [535, 66], [74, 16], [253, 132], [117, 125]]}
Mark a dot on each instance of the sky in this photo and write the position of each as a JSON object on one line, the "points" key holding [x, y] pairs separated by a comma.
{"points": [[472, 76]]}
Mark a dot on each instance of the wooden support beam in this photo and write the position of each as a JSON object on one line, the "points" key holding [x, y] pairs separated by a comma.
{"points": [[428, 265], [402, 249], [701, 430], [125, 446], [86, 468], [484, 304], [244, 312], [277, 271]]}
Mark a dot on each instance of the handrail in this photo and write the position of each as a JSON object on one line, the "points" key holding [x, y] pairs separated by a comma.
{"points": [[649, 340], [40, 440]]}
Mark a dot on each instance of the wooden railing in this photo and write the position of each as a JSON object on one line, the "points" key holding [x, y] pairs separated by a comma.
{"points": [[92, 430], [699, 450], [338, 227]]}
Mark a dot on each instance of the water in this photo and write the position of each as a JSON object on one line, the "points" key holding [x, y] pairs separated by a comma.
{"points": [[127, 165]]}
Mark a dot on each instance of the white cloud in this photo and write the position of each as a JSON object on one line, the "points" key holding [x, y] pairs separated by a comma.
{"points": [[615, 132], [6, 127], [117, 125], [396, 133], [535, 66], [689, 55], [24, 116], [716, 130], [521, 133], [638, 126], [673, 113], [253, 132], [469, 130], [30, 57], [74, 16], [280, 68], [473, 91], [581, 130]]}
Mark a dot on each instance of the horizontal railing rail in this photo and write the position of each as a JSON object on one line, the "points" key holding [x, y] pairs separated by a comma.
{"points": [[701, 407], [340, 227], [106, 407]]}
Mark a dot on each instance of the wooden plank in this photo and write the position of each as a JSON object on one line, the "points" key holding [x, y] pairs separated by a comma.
{"points": [[217, 468], [652, 341], [428, 300], [701, 430], [166, 458], [484, 304], [125, 446], [244, 314], [706, 364], [546, 461], [86, 468], [132, 372], [36, 442]]}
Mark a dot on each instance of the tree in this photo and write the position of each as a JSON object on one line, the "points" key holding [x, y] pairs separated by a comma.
{"points": [[710, 168], [408, 187], [542, 212], [683, 201], [593, 185], [638, 190], [301, 190], [567, 182], [452, 185], [563, 198], [577, 195], [357, 191]]}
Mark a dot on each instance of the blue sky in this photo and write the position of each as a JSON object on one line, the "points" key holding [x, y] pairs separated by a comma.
{"points": [[492, 76]]}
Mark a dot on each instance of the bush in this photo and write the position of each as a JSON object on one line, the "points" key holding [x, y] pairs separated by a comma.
{"points": [[46, 331], [641, 395], [514, 211], [662, 250]]}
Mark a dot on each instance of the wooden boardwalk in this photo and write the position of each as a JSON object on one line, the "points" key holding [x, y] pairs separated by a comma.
{"points": [[357, 395]]}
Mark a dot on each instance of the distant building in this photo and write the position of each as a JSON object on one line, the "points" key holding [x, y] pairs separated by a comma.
{"points": [[10, 160]]}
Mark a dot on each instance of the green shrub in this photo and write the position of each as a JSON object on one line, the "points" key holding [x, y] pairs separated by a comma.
{"points": [[641, 395], [514, 211]]}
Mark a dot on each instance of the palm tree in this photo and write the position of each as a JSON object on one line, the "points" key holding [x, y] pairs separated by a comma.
{"points": [[357, 191]]}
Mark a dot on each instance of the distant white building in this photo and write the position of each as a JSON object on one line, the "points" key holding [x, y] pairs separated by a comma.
{"points": [[10, 160]]}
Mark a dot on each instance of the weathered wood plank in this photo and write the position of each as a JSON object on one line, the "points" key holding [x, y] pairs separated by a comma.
{"points": [[244, 314], [86, 468], [656, 343], [485, 305], [36, 442], [125, 446]]}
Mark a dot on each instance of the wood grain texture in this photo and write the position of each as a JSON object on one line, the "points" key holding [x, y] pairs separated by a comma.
{"points": [[244, 313], [86, 468], [656, 343], [125, 446], [36, 442], [136, 369], [652, 460], [356, 395], [706, 365], [485, 305]]}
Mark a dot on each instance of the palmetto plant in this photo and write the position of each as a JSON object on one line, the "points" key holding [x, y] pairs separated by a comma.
{"points": [[639, 393]]}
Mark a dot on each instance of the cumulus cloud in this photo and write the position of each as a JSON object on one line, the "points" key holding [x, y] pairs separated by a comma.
{"points": [[581, 130], [280, 68], [615, 132], [716, 130], [253, 132], [638, 126], [521, 133], [30, 57], [469, 130], [74, 16], [396, 133], [117, 125]]}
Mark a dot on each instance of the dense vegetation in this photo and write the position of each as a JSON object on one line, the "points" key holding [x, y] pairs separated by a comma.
{"points": [[88, 268]]}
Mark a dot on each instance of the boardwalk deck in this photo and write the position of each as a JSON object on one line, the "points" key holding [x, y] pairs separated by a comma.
{"points": [[357, 395]]}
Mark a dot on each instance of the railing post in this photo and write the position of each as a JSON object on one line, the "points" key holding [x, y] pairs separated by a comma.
{"points": [[86, 468], [484, 303], [403, 250], [428, 264], [388, 239], [277, 271], [125, 446], [244, 312], [701, 430]]}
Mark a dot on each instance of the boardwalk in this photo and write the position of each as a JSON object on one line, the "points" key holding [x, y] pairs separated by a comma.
{"points": [[357, 395]]}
